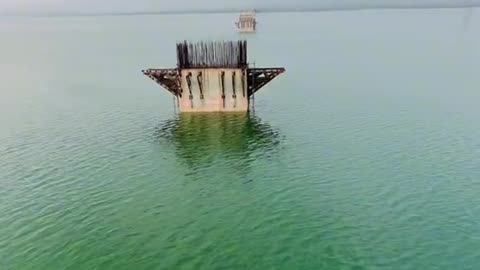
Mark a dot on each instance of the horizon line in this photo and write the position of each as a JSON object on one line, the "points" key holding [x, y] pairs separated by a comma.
{"points": [[237, 10]]}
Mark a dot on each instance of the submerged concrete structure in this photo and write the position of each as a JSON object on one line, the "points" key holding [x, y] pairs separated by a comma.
{"points": [[213, 77]]}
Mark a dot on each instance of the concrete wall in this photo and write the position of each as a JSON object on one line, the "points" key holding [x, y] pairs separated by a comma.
{"points": [[246, 24], [212, 91]]}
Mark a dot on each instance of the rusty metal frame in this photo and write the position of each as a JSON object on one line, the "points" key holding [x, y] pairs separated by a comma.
{"points": [[256, 78], [168, 78], [259, 77]]}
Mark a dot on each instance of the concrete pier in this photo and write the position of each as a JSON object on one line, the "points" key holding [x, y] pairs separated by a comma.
{"points": [[247, 23], [213, 77], [213, 90]]}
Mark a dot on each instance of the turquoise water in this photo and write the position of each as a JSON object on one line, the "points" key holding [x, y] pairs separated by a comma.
{"points": [[365, 154]]}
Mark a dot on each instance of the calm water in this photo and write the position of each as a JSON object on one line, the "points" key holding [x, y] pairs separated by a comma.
{"points": [[364, 155]]}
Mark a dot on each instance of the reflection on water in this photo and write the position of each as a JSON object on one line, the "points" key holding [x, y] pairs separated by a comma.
{"points": [[202, 138]]}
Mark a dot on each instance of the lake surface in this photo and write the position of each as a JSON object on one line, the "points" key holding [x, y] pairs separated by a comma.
{"points": [[365, 154]]}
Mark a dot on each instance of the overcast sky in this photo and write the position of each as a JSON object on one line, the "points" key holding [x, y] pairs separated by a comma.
{"points": [[115, 6]]}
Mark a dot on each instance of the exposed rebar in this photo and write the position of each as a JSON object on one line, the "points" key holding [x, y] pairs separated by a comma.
{"points": [[220, 54]]}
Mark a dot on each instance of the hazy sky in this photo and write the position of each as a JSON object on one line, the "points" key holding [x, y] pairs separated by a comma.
{"points": [[107, 6]]}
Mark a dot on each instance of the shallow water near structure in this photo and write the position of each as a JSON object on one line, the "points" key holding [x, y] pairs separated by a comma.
{"points": [[365, 154]]}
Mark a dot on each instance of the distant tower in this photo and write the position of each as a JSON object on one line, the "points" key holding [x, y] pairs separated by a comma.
{"points": [[247, 22], [212, 77]]}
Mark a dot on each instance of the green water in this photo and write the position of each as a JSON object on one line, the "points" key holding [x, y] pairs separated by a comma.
{"points": [[365, 154]]}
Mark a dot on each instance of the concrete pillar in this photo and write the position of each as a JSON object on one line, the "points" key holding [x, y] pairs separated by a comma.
{"points": [[207, 93]]}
